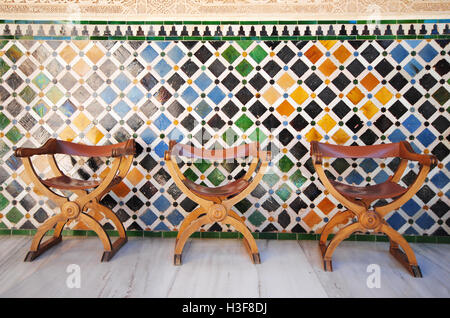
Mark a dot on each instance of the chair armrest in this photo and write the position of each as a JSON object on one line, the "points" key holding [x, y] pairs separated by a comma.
{"points": [[129, 148], [46, 149], [407, 152]]}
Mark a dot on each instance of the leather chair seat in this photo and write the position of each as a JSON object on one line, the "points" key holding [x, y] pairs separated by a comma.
{"points": [[225, 191]]}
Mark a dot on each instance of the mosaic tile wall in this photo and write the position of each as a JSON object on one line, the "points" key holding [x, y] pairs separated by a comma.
{"points": [[220, 94]]}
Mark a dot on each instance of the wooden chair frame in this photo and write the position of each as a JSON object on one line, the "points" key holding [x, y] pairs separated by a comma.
{"points": [[216, 208], [86, 203], [359, 207]]}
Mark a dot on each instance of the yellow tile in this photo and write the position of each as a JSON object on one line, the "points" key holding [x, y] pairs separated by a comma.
{"points": [[355, 95], [95, 54], [285, 108], [135, 176], [342, 54], [328, 44], [340, 137], [327, 123], [369, 109], [313, 134], [271, 95], [327, 67], [94, 135], [81, 68], [81, 44], [370, 81], [299, 95], [383, 95], [67, 134], [313, 54], [81, 122], [54, 94], [68, 54], [285, 81]]}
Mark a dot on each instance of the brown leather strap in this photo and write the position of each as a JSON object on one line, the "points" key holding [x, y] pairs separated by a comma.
{"points": [[54, 146]]}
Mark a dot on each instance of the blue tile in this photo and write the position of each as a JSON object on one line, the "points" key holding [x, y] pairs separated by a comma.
{"points": [[149, 54], [428, 53], [108, 95], [413, 43], [354, 178], [399, 53], [411, 231], [148, 217], [411, 123], [161, 227], [135, 95], [148, 136], [203, 81], [216, 95], [162, 68], [162, 122], [425, 221], [122, 109], [440, 180], [368, 165], [161, 148], [203, 109], [396, 221], [122, 81], [175, 54], [396, 136], [413, 67], [175, 134], [426, 137], [175, 217], [162, 204], [411, 207], [381, 177], [68, 108], [189, 95], [163, 44]]}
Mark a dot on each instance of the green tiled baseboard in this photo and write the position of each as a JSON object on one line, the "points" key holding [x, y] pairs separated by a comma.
{"points": [[234, 235]]}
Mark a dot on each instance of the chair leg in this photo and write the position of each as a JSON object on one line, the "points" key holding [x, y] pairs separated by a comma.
{"points": [[340, 236], [37, 246], [233, 214], [189, 219], [406, 258], [109, 249], [249, 240], [339, 218], [181, 241], [118, 243]]}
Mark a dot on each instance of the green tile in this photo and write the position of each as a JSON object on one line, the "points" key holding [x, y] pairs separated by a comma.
{"points": [[443, 239], [195, 235], [112, 233], [254, 234], [303, 22], [244, 44], [20, 232], [365, 237], [74, 232], [216, 177], [307, 236], [3, 202], [284, 192], [229, 235], [14, 215], [244, 123], [27, 94], [134, 233], [426, 239], [267, 236], [4, 67], [248, 23], [297, 178], [14, 53], [230, 54], [351, 238], [202, 165], [287, 236], [256, 218], [5, 231], [381, 238], [190, 174], [258, 54], [169, 233], [153, 234], [215, 235], [285, 164], [91, 233]]}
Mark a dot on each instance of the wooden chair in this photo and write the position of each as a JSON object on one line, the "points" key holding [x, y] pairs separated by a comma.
{"points": [[358, 199], [85, 202], [215, 203]]}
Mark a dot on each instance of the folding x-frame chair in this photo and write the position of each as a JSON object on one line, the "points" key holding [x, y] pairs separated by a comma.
{"points": [[358, 200], [85, 202], [215, 203]]}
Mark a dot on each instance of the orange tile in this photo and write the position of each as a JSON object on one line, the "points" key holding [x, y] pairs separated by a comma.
{"points": [[369, 109], [327, 67], [328, 44], [370, 81], [313, 54], [342, 54], [311, 219], [271, 95], [327, 123], [326, 206], [121, 190], [299, 95], [340, 137], [94, 135], [135, 176], [383, 95], [67, 134], [95, 54], [355, 95], [285, 108], [68, 54], [81, 68], [81, 122], [285, 81], [81, 44], [313, 134]]}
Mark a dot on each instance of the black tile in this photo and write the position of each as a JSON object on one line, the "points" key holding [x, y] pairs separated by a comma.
{"points": [[341, 81], [217, 68], [412, 96], [327, 95], [355, 68], [312, 192], [272, 68], [203, 54], [285, 137], [440, 151], [428, 81], [271, 122], [297, 205], [175, 109], [298, 150], [441, 124], [341, 109], [398, 81], [244, 95], [189, 68], [383, 123], [369, 137], [354, 123], [148, 163], [442, 67], [370, 53], [284, 219], [286, 54], [313, 109], [398, 109], [384, 68], [230, 109], [216, 122], [230, 81], [175, 81], [440, 208], [258, 81], [148, 190], [299, 68], [189, 122], [299, 123], [313, 81]]}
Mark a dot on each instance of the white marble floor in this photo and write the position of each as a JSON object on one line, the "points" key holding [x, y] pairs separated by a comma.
{"points": [[218, 268]]}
